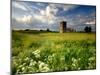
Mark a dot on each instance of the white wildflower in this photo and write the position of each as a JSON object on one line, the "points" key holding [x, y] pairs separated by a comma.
{"points": [[50, 58], [24, 64], [32, 63], [91, 58], [53, 55], [74, 60], [36, 53], [23, 68], [41, 64], [20, 66], [90, 66], [66, 68], [62, 58], [43, 67], [73, 64], [79, 59], [27, 58], [79, 68], [31, 60]]}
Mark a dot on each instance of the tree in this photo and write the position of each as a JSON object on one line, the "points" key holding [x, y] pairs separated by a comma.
{"points": [[87, 29], [27, 29], [48, 29]]}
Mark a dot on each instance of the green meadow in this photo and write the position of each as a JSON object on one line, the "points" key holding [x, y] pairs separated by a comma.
{"points": [[40, 51]]}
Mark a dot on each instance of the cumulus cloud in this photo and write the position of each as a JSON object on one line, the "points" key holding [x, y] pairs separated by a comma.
{"points": [[24, 19], [40, 18], [91, 22], [47, 15], [19, 25], [51, 11], [65, 7]]}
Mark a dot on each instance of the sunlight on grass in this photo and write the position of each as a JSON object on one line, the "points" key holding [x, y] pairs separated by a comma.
{"points": [[49, 52]]}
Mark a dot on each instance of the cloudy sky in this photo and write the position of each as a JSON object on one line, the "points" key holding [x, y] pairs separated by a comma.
{"points": [[35, 15]]}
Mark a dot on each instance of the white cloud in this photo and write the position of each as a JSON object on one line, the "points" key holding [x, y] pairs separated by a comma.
{"points": [[19, 5], [52, 9], [65, 7], [43, 12], [24, 19], [48, 14], [40, 18], [43, 19], [69, 7], [91, 22], [41, 15]]}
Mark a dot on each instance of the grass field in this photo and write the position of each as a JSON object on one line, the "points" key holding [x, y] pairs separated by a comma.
{"points": [[51, 51]]}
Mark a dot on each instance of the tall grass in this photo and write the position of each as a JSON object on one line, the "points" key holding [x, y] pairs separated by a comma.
{"points": [[50, 52]]}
